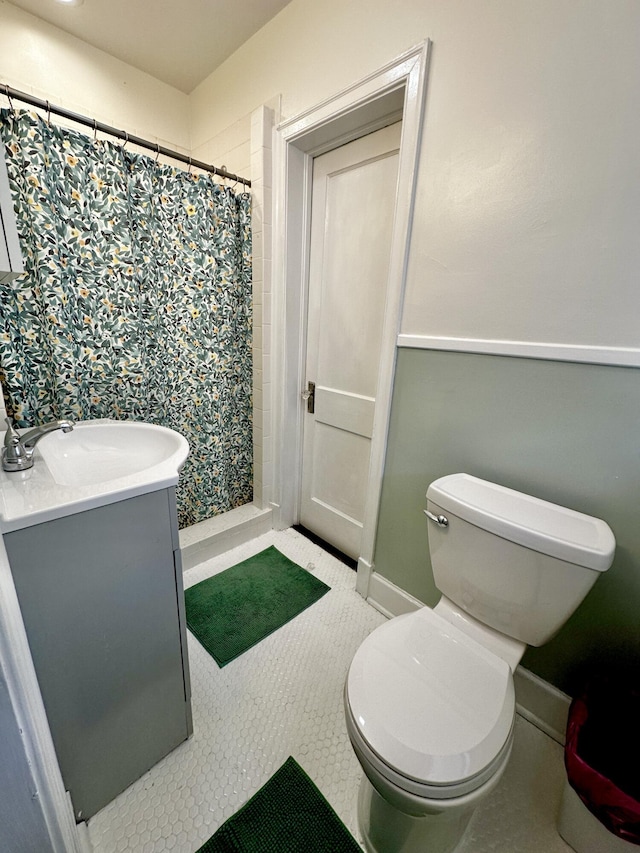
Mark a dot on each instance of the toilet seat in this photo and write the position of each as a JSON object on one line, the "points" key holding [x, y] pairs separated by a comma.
{"points": [[432, 709]]}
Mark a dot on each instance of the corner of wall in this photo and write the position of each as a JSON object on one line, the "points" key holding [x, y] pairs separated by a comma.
{"points": [[262, 122]]}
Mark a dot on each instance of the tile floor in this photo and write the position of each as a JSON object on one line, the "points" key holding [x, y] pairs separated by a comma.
{"points": [[284, 697]]}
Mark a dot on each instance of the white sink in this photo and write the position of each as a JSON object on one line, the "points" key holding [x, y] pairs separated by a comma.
{"points": [[100, 451], [98, 462]]}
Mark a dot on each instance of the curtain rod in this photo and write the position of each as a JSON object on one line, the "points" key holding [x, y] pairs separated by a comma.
{"points": [[119, 134]]}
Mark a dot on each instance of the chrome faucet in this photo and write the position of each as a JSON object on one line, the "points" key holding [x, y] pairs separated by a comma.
{"points": [[17, 454]]}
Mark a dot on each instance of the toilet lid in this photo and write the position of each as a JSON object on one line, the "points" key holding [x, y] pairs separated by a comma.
{"points": [[432, 703]]}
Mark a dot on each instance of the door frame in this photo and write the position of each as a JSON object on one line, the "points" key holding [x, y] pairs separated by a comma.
{"points": [[396, 91]]}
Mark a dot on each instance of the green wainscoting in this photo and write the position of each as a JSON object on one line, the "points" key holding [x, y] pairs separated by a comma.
{"points": [[567, 433]]}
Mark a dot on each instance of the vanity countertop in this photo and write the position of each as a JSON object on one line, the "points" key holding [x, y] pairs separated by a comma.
{"points": [[98, 463]]}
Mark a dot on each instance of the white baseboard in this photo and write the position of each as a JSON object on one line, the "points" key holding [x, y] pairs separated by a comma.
{"points": [[388, 598], [363, 577], [212, 537], [542, 704], [536, 700], [83, 837]]}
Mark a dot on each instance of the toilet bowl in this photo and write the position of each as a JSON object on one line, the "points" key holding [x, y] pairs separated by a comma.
{"points": [[430, 714], [429, 697]]}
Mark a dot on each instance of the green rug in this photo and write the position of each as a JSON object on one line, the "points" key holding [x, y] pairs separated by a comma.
{"points": [[287, 815], [231, 612]]}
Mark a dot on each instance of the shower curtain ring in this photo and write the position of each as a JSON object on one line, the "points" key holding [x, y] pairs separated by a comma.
{"points": [[126, 139], [189, 171], [48, 112], [95, 130], [157, 151], [8, 96]]}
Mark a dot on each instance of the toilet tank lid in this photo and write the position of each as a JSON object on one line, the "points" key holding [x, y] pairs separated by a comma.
{"points": [[542, 526]]}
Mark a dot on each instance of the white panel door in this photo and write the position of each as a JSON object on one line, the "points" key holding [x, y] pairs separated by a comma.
{"points": [[352, 209]]}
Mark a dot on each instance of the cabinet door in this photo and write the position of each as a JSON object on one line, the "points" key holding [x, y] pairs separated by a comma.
{"points": [[98, 596]]}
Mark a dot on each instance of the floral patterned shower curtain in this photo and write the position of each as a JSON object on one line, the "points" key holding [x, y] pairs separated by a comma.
{"points": [[136, 302]]}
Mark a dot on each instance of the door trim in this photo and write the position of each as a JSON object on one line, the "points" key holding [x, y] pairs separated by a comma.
{"points": [[395, 91], [17, 669]]}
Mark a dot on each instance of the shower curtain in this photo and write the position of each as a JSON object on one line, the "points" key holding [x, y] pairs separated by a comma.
{"points": [[135, 303]]}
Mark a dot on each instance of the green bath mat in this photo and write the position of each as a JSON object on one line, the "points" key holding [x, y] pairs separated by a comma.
{"points": [[287, 815], [231, 612]]}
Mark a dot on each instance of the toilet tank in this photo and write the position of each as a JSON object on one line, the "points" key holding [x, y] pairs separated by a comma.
{"points": [[516, 563]]}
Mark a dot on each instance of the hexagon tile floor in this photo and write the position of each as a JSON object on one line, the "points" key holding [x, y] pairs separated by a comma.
{"points": [[284, 697]]}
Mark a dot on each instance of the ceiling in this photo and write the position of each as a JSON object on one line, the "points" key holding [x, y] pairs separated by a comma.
{"points": [[177, 41]]}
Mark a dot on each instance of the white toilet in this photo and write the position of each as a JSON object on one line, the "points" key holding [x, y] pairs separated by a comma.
{"points": [[429, 697]]}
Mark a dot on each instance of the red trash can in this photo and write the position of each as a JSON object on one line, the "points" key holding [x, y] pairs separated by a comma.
{"points": [[602, 759]]}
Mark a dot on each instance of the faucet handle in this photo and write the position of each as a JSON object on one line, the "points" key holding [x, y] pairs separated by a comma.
{"points": [[14, 454], [11, 437]]}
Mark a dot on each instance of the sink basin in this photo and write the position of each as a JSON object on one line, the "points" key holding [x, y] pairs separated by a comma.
{"points": [[101, 451], [97, 463]]}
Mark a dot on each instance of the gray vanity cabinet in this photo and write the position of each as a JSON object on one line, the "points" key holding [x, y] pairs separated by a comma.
{"points": [[103, 605]]}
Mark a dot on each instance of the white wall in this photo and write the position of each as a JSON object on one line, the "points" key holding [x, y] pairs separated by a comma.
{"points": [[528, 205], [528, 198], [44, 61]]}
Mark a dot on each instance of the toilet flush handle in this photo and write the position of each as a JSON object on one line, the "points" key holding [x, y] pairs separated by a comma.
{"points": [[440, 520]]}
